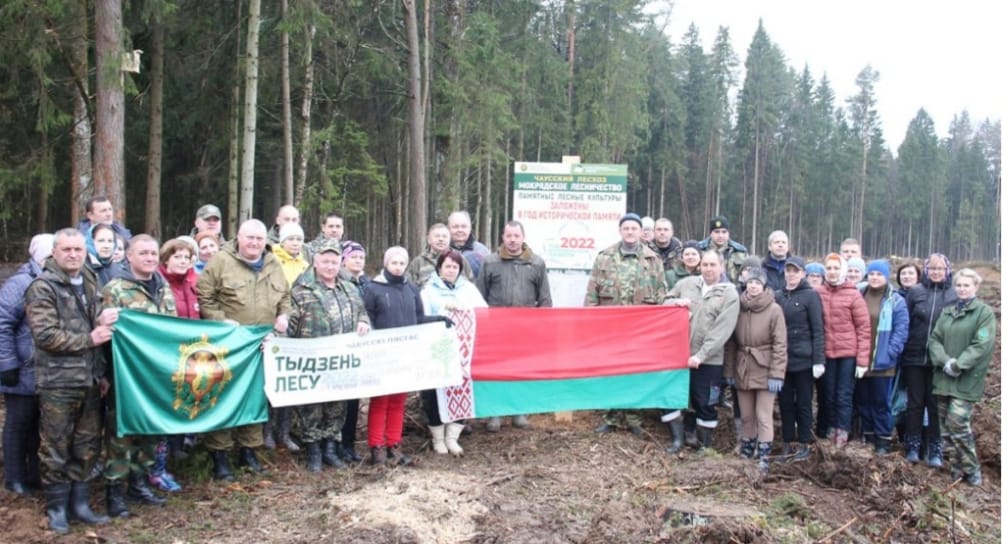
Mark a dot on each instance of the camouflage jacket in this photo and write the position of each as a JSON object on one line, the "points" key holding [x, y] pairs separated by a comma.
{"points": [[230, 289], [322, 311], [61, 325], [734, 256], [669, 255], [623, 279], [125, 291], [420, 268]]}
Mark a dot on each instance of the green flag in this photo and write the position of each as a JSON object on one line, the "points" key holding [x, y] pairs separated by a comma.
{"points": [[175, 376]]}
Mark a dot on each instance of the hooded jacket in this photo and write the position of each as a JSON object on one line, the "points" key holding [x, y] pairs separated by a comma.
{"points": [[847, 322], [757, 351], [802, 312], [293, 266], [515, 281], [968, 335], [16, 347], [229, 288], [924, 302]]}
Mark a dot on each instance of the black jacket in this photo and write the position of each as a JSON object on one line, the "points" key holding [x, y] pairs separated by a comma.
{"points": [[395, 304], [775, 279], [924, 301], [802, 311]]}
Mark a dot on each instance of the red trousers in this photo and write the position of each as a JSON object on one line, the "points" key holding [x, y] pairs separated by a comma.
{"points": [[384, 420]]}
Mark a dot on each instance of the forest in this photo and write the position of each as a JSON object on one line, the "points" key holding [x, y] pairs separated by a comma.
{"points": [[395, 112]]}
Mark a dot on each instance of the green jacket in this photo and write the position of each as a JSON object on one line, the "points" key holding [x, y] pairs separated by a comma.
{"points": [[61, 325], [624, 279], [678, 273], [321, 311], [230, 289], [967, 335], [124, 291]]}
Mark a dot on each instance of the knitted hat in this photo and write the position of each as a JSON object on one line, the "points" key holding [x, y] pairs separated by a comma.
{"points": [[858, 263], [753, 263], [631, 217], [815, 268], [647, 223], [291, 229], [879, 265], [40, 247], [719, 222], [757, 274], [352, 248], [395, 251]]}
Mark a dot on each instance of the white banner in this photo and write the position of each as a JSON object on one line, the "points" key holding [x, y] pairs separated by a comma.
{"points": [[348, 366]]}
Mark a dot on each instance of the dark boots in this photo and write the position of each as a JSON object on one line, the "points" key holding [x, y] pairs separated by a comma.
{"points": [[936, 454], [314, 450], [677, 428], [379, 456], [247, 459], [140, 492], [396, 457], [765, 448], [115, 501], [913, 443], [704, 436], [221, 466], [882, 445], [747, 450], [330, 454], [57, 500], [80, 492]]}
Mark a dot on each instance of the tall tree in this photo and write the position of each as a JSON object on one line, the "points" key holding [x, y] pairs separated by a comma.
{"points": [[288, 129], [110, 113], [152, 220], [250, 112], [865, 122], [417, 155]]}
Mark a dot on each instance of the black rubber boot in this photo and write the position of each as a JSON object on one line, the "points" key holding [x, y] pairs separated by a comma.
{"points": [[330, 456], [704, 436], [139, 491], [57, 500], [677, 428], [247, 459], [115, 501], [80, 492], [765, 448], [314, 450], [221, 466], [882, 445]]}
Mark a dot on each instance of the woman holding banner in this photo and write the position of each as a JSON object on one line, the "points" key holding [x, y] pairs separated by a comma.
{"points": [[446, 292]]}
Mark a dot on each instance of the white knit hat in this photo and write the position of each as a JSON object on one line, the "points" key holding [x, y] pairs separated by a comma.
{"points": [[291, 229], [40, 247]]}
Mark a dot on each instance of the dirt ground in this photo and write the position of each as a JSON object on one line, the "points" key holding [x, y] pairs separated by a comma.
{"points": [[560, 482]]}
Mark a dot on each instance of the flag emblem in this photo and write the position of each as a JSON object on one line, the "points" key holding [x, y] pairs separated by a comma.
{"points": [[201, 376]]}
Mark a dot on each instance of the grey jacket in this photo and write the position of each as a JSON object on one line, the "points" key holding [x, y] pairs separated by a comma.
{"points": [[515, 281], [712, 317]]}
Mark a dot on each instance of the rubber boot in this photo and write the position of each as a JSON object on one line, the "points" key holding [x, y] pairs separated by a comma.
{"points": [[314, 456], [704, 436], [765, 448], [247, 459], [396, 457], [869, 438], [747, 450], [159, 475], [935, 457], [115, 501], [329, 454], [268, 440], [882, 445], [221, 466], [521, 422], [452, 432], [379, 456], [493, 425], [913, 448], [285, 431], [677, 428], [57, 501], [437, 439], [139, 492], [80, 492]]}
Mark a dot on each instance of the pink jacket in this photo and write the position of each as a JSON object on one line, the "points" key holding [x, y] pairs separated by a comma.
{"points": [[847, 323]]}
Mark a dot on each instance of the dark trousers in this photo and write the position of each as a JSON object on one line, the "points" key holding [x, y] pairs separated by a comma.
{"points": [[873, 401], [21, 439], [704, 393], [349, 433], [839, 378], [822, 415], [429, 398], [919, 382], [795, 405]]}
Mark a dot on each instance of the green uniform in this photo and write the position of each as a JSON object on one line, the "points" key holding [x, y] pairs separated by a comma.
{"points": [[68, 367], [131, 454], [319, 310]]}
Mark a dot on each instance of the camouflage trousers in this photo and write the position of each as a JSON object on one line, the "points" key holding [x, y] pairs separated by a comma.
{"points": [[125, 455], [319, 421], [70, 432], [614, 418], [959, 442], [247, 436]]}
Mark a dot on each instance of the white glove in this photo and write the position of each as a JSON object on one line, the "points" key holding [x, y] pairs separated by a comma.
{"points": [[951, 369], [861, 370], [818, 371]]}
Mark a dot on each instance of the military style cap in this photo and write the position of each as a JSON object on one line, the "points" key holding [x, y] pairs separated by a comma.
{"points": [[330, 244], [719, 222], [208, 210]]}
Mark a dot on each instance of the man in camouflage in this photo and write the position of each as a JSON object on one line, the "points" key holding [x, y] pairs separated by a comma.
{"points": [[438, 241], [141, 288], [68, 326], [324, 305], [734, 254], [243, 284], [665, 244], [624, 274]]}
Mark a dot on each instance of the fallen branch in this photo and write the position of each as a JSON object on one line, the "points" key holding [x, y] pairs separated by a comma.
{"points": [[842, 528]]}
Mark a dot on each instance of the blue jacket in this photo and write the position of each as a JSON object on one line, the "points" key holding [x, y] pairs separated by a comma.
{"points": [[893, 330], [16, 347]]}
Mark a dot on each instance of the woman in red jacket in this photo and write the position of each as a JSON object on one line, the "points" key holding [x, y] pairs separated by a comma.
{"points": [[847, 346], [176, 267]]}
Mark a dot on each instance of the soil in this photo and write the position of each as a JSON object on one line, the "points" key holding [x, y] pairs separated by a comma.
{"points": [[560, 482]]}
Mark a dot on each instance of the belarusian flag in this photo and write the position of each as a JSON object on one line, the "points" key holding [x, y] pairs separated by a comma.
{"points": [[174, 376], [532, 360]]}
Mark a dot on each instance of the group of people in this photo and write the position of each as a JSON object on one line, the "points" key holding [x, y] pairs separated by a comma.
{"points": [[763, 329], [780, 329]]}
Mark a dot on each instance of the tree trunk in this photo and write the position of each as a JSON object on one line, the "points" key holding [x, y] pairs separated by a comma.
{"points": [[80, 154], [110, 117], [234, 143], [417, 166], [251, 101], [571, 37], [308, 92], [288, 129], [152, 224]]}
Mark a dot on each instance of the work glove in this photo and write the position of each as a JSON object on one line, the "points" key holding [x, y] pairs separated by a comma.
{"points": [[951, 368], [9, 378], [775, 385], [818, 371], [730, 381], [861, 371]]}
